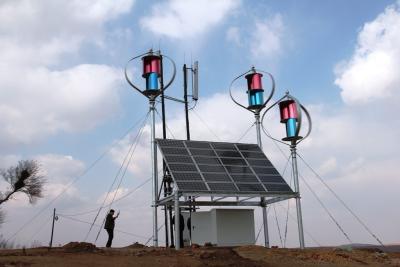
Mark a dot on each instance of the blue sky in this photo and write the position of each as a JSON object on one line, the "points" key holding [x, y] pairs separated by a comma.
{"points": [[64, 99]]}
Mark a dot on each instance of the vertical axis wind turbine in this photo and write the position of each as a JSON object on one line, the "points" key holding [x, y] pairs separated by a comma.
{"points": [[153, 74], [256, 101], [291, 114]]}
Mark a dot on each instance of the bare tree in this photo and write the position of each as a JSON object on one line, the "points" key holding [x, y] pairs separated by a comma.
{"points": [[24, 178]]}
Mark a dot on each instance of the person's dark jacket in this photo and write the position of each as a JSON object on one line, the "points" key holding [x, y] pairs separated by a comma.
{"points": [[110, 222], [181, 222]]}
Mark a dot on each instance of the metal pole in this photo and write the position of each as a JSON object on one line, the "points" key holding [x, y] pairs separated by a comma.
{"points": [[164, 183], [297, 189], [52, 229], [154, 171], [185, 97], [263, 205], [177, 222]]}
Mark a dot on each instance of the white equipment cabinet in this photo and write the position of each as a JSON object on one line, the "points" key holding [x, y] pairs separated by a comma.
{"points": [[223, 227]]}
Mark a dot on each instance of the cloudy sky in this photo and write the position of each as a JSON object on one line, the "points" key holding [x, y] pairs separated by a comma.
{"points": [[64, 102]]}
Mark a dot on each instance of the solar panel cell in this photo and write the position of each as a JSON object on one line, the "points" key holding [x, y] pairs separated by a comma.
{"points": [[270, 178], [193, 144], [224, 146], [259, 162], [202, 152], [226, 187], [216, 177], [183, 167], [251, 154], [187, 176], [228, 153], [250, 147], [239, 169], [250, 187], [192, 186], [205, 160], [278, 187], [230, 161], [175, 151], [180, 159], [211, 168], [244, 178], [269, 171], [171, 143]]}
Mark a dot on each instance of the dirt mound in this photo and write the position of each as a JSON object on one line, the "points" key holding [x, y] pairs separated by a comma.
{"points": [[224, 257], [80, 247], [136, 245]]}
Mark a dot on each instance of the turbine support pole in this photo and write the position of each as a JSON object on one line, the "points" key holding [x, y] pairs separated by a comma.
{"points": [[154, 170], [263, 205], [297, 189]]}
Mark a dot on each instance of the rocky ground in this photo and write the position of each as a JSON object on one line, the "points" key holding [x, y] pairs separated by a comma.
{"points": [[86, 254]]}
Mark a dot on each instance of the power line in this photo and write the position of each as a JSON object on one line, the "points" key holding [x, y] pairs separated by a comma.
{"points": [[166, 125], [118, 199], [315, 195], [117, 230], [73, 181], [326, 209], [342, 202], [205, 124], [116, 176], [123, 175], [40, 228], [246, 132], [294, 219]]}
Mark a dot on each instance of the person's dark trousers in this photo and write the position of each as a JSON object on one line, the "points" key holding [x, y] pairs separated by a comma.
{"points": [[181, 239], [110, 237]]}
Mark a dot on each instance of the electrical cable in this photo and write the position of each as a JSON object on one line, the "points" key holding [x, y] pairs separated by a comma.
{"points": [[166, 126], [117, 230], [326, 209], [295, 220], [116, 176], [246, 132], [122, 177], [342, 202], [205, 124], [41, 227], [288, 208], [150, 238], [73, 182], [277, 225], [118, 199]]}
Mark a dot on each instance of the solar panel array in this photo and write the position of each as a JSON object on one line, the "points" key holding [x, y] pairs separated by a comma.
{"points": [[216, 167]]}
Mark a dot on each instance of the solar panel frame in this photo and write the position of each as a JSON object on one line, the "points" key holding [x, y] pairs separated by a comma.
{"points": [[218, 167]]}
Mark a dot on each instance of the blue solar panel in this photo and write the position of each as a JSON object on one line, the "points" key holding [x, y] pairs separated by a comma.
{"points": [[220, 167]]}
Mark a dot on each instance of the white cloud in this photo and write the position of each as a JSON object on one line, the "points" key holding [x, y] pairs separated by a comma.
{"points": [[179, 19], [46, 102], [39, 96], [372, 71], [266, 39], [233, 35]]}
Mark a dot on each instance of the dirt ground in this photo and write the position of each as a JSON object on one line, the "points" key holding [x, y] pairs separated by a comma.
{"points": [[85, 254]]}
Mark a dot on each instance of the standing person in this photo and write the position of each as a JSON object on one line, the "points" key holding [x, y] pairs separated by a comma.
{"points": [[109, 226]]}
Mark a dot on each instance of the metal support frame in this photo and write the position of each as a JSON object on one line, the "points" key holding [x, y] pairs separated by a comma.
{"points": [[177, 221], [154, 171], [263, 204], [297, 189]]}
